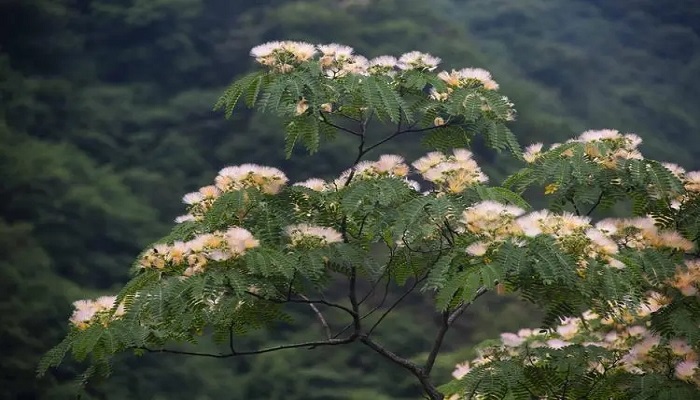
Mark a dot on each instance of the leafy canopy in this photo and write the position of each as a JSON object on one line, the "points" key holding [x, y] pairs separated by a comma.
{"points": [[620, 294]]}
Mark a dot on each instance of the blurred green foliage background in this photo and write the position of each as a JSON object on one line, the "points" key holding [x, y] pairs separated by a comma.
{"points": [[105, 121]]}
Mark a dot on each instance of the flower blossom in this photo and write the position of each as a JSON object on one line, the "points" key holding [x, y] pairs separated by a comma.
{"points": [[283, 56], [451, 174], [493, 220], [87, 310], [199, 203], [269, 180], [196, 253], [691, 181], [532, 152], [388, 165], [468, 77], [382, 65], [315, 184], [418, 60], [310, 234]]}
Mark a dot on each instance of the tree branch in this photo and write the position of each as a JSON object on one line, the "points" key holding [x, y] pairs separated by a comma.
{"points": [[401, 132], [330, 342], [396, 303], [342, 128], [352, 295], [419, 373], [596, 204], [320, 317], [303, 301], [447, 320]]}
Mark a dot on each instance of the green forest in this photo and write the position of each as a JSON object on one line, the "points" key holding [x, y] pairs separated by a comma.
{"points": [[106, 121]]}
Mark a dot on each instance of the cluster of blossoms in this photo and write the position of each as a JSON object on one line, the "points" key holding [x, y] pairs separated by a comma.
{"points": [[468, 77], [642, 232], [687, 278], [494, 223], [451, 174], [283, 56], [625, 333], [268, 180], [388, 166], [605, 147], [312, 236], [691, 183], [337, 60], [99, 310], [195, 254]]}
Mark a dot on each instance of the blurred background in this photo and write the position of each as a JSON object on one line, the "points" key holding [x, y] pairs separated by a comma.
{"points": [[106, 121]]}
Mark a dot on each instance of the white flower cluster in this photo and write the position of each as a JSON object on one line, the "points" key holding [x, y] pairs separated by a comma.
{"points": [[617, 146], [687, 278], [268, 180], [625, 331], [641, 233], [452, 174], [89, 311], [311, 235], [493, 222], [469, 77], [283, 56], [195, 254], [388, 165], [338, 60]]}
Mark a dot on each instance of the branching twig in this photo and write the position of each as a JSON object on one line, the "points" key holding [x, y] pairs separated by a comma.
{"points": [[330, 342], [396, 303], [303, 301], [342, 128], [448, 318], [372, 311], [398, 133], [424, 379]]}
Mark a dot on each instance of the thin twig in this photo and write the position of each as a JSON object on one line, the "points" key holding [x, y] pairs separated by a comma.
{"points": [[320, 317], [302, 301], [596, 204], [396, 303], [368, 314], [342, 128], [398, 133]]}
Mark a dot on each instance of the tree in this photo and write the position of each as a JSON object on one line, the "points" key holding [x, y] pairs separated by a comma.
{"points": [[251, 247]]}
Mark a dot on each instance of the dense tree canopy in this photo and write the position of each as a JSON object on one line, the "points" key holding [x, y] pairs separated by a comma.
{"points": [[106, 120]]}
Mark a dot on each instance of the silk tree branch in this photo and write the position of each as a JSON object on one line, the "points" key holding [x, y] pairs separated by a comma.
{"points": [[330, 342], [448, 318], [339, 127], [412, 367], [320, 317]]}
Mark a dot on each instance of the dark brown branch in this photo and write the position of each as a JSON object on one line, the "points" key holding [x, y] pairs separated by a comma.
{"points": [[447, 320], [303, 301], [596, 204], [372, 311], [330, 342], [342, 128], [399, 133], [396, 303], [418, 372], [352, 295]]}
